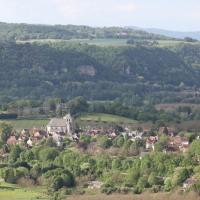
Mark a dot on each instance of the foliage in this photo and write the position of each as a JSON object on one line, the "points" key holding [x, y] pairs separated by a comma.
{"points": [[5, 132]]}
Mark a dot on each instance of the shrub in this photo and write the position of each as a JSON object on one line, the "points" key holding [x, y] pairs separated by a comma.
{"points": [[57, 183], [68, 180], [137, 190], [48, 154], [108, 189], [105, 142], [156, 188]]}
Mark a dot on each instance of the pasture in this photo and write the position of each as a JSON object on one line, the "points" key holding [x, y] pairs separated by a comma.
{"points": [[13, 192], [100, 117], [27, 123]]}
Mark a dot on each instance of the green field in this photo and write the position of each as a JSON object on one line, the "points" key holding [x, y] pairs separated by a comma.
{"points": [[98, 42], [106, 42], [172, 43], [25, 123], [13, 192], [100, 117]]}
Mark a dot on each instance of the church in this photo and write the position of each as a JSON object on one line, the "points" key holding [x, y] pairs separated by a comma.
{"points": [[63, 125]]}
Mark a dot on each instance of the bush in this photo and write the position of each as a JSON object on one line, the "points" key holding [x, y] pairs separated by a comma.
{"points": [[156, 188], [196, 188], [105, 142], [57, 183], [143, 183], [68, 180], [168, 184], [137, 190], [48, 154], [108, 189]]}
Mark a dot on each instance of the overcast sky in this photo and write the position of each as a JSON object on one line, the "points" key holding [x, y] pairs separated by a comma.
{"points": [[167, 14]]}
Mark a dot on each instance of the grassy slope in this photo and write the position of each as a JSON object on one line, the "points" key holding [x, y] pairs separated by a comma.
{"points": [[21, 124], [38, 123], [13, 192], [106, 118]]}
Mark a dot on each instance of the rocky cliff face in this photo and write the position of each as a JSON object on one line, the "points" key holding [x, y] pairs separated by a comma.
{"points": [[87, 70]]}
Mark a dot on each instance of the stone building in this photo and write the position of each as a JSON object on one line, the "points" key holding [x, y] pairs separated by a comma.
{"points": [[63, 125]]}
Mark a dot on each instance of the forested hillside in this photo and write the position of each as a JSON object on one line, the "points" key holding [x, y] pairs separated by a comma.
{"points": [[40, 61], [37, 71]]}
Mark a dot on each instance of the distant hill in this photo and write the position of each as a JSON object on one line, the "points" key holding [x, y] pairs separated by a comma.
{"points": [[36, 62], [174, 34], [65, 32]]}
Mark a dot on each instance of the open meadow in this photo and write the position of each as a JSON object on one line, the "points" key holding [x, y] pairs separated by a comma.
{"points": [[13, 192], [19, 124], [100, 117]]}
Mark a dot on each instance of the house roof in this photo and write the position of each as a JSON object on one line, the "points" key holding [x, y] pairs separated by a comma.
{"points": [[190, 181], [57, 122], [12, 140]]}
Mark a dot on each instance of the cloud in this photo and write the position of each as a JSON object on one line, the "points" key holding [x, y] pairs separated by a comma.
{"points": [[176, 14], [129, 7], [77, 8]]}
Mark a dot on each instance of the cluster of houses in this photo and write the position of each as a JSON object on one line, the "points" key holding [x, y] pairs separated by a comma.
{"points": [[174, 143], [57, 129]]}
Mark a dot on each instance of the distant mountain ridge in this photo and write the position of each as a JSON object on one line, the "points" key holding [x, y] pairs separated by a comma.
{"points": [[169, 33], [12, 31]]}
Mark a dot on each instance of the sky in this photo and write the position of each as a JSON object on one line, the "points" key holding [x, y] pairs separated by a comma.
{"points": [[180, 15]]}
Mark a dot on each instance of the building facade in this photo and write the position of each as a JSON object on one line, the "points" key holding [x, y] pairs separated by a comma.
{"points": [[63, 125]]}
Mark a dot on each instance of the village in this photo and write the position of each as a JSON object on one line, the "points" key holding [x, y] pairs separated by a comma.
{"points": [[60, 128]]}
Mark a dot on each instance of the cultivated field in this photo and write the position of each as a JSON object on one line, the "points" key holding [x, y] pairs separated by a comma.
{"points": [[174, 106], [100, 117], [98, 42]]}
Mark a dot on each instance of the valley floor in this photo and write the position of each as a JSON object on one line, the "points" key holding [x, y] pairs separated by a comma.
{"points": [[145, 196]]}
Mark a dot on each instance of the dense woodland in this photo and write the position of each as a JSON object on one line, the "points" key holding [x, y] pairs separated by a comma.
{"points": [[131, 74]]}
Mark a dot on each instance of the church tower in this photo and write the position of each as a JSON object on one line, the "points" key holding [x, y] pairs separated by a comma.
{"points": [[69, 124]]}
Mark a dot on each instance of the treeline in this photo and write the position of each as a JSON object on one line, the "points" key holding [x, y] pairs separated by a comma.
{"points": [[8, 116], [29, 32]]}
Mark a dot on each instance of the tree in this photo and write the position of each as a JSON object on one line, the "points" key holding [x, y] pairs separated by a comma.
{"points": [[168, 184], [68, 179], [180, 176], [48, 154], [118, 141], [5, 132], [77, 105], [162, 143], [15, 153], [142, 182], [133, 177], [116, 163], [105, 142], [194, 150], [57, 183], [152, 180]]}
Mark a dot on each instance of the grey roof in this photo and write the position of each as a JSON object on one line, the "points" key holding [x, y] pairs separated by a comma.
{"points": [[59, 122]]}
